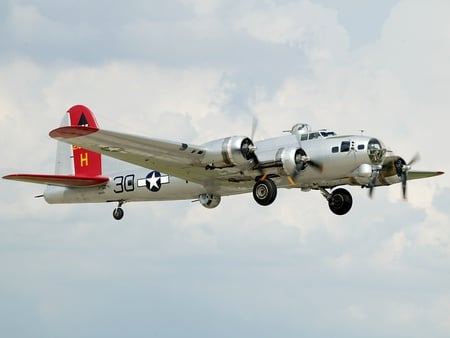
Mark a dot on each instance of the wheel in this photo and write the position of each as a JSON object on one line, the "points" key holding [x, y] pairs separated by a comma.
{"points": [[340, 201], [118, 213], [265, 192]]}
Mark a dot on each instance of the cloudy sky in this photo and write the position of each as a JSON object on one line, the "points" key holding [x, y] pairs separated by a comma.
{"points": [[195, 70]]}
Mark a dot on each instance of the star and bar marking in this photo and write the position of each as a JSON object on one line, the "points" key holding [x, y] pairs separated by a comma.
{"points": [[153, 181]]}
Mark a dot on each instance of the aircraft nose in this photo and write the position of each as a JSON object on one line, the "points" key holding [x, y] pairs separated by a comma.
{"points": [[376, 151]]}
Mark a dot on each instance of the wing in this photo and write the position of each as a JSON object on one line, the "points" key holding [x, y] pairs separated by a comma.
{"points": [[415, 175], [173, 158], [59, 180]]}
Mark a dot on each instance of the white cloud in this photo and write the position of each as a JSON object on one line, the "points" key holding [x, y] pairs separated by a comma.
{"points": [[310, 27], [134, 97]]}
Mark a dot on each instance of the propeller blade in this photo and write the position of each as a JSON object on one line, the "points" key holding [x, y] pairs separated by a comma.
{"points": [[254, 126], [316, 165], [404, 179], [402, 171], [256, 164], [404, 174], [292, 181], [414, 159], [252, 149], [372, 182], [293, 176]]}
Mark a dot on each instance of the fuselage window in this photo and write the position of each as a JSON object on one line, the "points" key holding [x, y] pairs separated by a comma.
{"points": [[361, 146], [345, 146], [335, 149], [304, 137]]}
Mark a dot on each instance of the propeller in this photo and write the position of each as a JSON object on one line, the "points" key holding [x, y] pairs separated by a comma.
{"points": [[306, 159], [302, 160], [299, 159], [249, 148], [402, 169]]}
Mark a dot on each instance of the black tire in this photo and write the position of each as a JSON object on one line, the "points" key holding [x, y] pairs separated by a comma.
{"points": [[340, 202], [265, 192], [118, 213]]}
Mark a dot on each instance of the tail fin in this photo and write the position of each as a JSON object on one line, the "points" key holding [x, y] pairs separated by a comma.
{"points": [[74, 160], [75, 167]]}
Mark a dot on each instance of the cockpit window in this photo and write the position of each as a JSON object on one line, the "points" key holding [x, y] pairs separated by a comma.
{"points": [[313, 136], [327, 133], [317, 135], [345, 146]]}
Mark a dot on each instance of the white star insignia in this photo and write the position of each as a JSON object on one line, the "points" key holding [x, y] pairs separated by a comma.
{"points": [[154, 181]]}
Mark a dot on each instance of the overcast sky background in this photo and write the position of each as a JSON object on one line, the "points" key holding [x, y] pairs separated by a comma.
{"points": [[194, 71]]}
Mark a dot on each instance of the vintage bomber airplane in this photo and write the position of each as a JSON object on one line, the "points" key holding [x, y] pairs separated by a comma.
{"points": [[302, 158]]}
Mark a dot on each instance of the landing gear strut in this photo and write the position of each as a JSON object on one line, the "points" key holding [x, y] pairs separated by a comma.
{"points": [[265, 192], [118, 212], [339, 201]]}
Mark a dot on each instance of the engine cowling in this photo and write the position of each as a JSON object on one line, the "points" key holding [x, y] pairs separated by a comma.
{"points": [[392, 169], [230, 151], [292, 160], [390, 172], [209, 200]]}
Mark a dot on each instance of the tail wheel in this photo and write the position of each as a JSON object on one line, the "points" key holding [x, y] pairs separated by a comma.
{"points": [[118, 213], [265, 192], [340, 201]]}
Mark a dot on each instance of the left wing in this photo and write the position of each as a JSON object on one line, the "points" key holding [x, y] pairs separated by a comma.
{"points": [[174, 158]]}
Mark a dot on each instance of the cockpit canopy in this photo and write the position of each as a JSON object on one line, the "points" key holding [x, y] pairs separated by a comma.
{"points": [[301, 128]]}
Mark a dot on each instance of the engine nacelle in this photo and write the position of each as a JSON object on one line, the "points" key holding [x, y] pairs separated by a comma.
{"points": [[392, 169], [209, 200], [230, 151], [291, 160]]}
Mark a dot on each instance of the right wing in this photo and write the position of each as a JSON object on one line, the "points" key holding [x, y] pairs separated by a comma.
{"points": [[415, 175]]}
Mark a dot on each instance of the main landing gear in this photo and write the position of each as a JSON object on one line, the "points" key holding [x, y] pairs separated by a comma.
{"points": [[118, 212], [265, 191], [339, 201]]}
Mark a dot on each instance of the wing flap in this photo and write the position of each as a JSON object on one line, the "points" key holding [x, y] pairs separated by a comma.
{"points": [[59, 180]]}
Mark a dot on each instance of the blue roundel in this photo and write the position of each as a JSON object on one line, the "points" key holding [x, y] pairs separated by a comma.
{"points": [[153, 181]]}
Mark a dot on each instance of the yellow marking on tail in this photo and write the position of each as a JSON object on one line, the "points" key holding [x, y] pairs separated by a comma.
{"points": [[84, 160]]}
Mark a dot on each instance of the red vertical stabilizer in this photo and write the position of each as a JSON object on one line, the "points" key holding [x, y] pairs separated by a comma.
{"points": [[86, 163]]}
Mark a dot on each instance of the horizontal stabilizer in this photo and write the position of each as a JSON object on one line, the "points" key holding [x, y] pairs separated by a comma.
{"points": [[59, 180], [72, 131]]}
